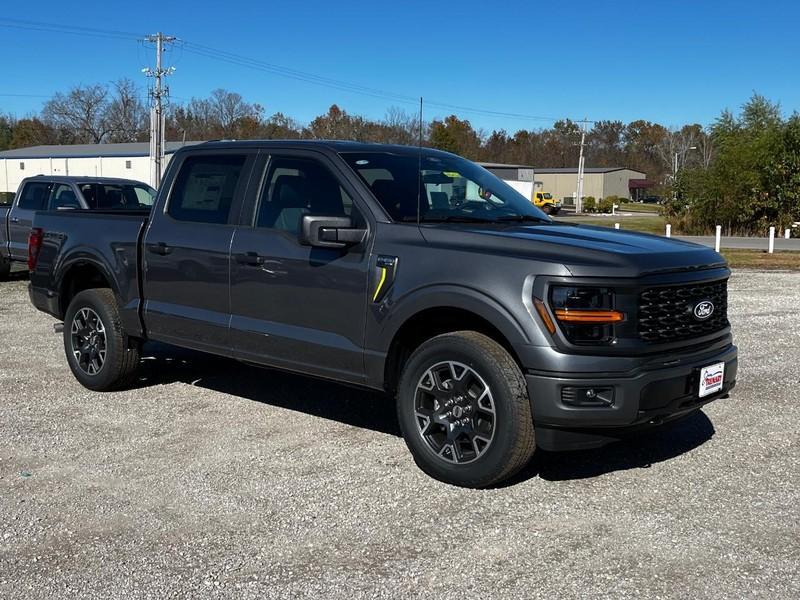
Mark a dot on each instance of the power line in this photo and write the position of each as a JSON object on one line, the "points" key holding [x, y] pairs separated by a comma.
{"points": [[69, 29], [259, 65], [263, 66]]}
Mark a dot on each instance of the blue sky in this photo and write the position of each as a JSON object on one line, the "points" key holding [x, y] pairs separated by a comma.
{"points": [[671, 62]]}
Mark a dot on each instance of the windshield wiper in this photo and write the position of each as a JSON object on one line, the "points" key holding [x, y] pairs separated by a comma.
{"points": [[451, 219], [522, 218]]}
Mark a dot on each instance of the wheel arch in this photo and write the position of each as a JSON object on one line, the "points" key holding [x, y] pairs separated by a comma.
{"points": [[81, 274], [445, 310]]}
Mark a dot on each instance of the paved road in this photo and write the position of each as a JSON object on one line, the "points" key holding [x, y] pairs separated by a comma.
{"points": [[211, 479], [752, 243]]}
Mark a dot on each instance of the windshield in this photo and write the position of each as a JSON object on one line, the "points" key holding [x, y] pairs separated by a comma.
{"points": [[548, 196], [449, 189], [122, 196]]}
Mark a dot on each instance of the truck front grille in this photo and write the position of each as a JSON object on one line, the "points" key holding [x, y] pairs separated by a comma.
{"points": [[666, 314]]}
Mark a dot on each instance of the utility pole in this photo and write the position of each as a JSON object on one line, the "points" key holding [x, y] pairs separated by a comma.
{"points": [[157, 121], [579, 191]]}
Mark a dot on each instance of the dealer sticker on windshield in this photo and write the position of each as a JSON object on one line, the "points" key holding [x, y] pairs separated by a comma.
{"points": [[711, 379]]}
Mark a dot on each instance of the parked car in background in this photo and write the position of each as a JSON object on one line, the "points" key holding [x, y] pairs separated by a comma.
{"points": [[44, 192], [494, 328]]}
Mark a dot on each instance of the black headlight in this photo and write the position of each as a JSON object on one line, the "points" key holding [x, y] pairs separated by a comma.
{"points": [[585, 314]]}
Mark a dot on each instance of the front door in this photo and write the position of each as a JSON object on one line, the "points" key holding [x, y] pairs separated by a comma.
{"points": [[31, 198], [294, 306], [187, 251]]}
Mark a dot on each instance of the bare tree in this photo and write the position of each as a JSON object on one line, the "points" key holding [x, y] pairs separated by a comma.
{"points": [[231, 111], [126, 115], [81, 113], [705, 144], [675, 146]]}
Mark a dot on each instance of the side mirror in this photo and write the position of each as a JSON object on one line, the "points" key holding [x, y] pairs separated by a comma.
{"points": [[330, 232]]}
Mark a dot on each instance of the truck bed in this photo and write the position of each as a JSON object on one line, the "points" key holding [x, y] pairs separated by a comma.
{"points": [[108, 241]]}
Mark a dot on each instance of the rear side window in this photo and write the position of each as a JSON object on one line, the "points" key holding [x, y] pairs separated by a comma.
{"points": [[205, 188], [34, 196], [63, 196], [120, 196]]}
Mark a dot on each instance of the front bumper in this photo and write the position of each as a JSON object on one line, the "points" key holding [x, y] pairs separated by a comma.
{"points": [[646, 396]]}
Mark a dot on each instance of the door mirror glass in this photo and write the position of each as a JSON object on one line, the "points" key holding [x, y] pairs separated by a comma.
{"points": [[329, 232]]}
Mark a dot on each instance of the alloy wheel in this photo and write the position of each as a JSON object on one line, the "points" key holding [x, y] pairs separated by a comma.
{"points": [[88, 341], [455, 412]]}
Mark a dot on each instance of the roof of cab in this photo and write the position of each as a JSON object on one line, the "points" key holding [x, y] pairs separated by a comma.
{"points": [[334, 145], [79, 179]]}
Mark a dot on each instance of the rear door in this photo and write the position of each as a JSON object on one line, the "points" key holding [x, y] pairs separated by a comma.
{"points": [[32, 197], [187, 250], [294, 306]]}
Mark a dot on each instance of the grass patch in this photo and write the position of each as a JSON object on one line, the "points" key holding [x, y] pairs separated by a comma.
{"points": [[644, 224], [636, 207], [761, 259]]}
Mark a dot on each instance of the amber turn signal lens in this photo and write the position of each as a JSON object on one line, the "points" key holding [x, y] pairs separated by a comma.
{"points": [[589, 316], [542, 310]]}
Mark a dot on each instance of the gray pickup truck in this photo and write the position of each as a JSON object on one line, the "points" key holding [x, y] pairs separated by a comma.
{"points": [[414, 271], [44, 192]]}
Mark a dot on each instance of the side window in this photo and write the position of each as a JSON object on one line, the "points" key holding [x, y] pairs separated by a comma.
{"points": [[300, 186], [205, 188], [63, 196], [34, 196], [89, 192]]}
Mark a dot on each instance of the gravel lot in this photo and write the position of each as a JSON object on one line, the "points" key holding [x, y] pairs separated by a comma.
{"points": [[214, 479]]}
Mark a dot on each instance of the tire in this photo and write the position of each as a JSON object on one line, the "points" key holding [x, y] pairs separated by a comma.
{"points": [[547, 209], [444, 376], [106, 359]]}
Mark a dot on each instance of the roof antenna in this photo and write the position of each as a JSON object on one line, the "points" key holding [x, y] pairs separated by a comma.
{"points": [[419, 166]]}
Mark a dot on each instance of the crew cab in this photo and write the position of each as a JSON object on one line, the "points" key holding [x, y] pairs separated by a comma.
{"points": [[44, 192], [493, 328]]}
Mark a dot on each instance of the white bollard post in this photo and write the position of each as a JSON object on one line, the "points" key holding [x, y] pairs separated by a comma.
{"points": [[718, 238], [771, 240], [616, 225], [669, 230], [787, 234]]}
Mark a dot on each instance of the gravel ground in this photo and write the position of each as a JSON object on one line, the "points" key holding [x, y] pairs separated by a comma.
{"points": [[213, 479]]}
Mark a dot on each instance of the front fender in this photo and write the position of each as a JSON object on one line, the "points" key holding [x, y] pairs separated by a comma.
{"points": [[387, 319]]}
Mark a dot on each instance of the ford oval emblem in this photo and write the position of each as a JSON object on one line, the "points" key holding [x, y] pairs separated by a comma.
{"points": [[703, 310]]}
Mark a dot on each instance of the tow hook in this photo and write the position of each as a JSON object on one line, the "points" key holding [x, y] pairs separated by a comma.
{"points": [[58, 328]]}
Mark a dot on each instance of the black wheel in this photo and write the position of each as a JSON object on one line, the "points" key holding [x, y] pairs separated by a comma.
{"points": [[464, 410], [547, 209], [100, 355]]}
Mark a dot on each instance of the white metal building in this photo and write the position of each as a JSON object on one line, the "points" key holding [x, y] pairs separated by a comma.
{"points": [[520, 177], [129, 161]]}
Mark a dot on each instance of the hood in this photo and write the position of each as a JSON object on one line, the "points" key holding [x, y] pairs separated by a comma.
{"points": [[582, 249]]}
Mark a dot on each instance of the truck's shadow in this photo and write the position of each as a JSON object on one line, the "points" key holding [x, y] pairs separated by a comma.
{"points": [[372, 410]]}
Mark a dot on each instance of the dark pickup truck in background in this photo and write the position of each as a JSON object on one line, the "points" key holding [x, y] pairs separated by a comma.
{"points": [[44, 192], [403, 269]]}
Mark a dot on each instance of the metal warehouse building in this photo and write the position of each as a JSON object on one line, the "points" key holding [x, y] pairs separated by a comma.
{"points": [[599, 182], [130, 161], [562, 183]]}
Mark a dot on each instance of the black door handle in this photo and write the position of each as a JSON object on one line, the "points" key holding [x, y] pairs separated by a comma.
{"points": [[160, 248], [250, 258]]}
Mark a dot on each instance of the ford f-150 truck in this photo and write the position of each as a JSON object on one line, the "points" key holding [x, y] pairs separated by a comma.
{"points": [[494, 328], [44, 192]]}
